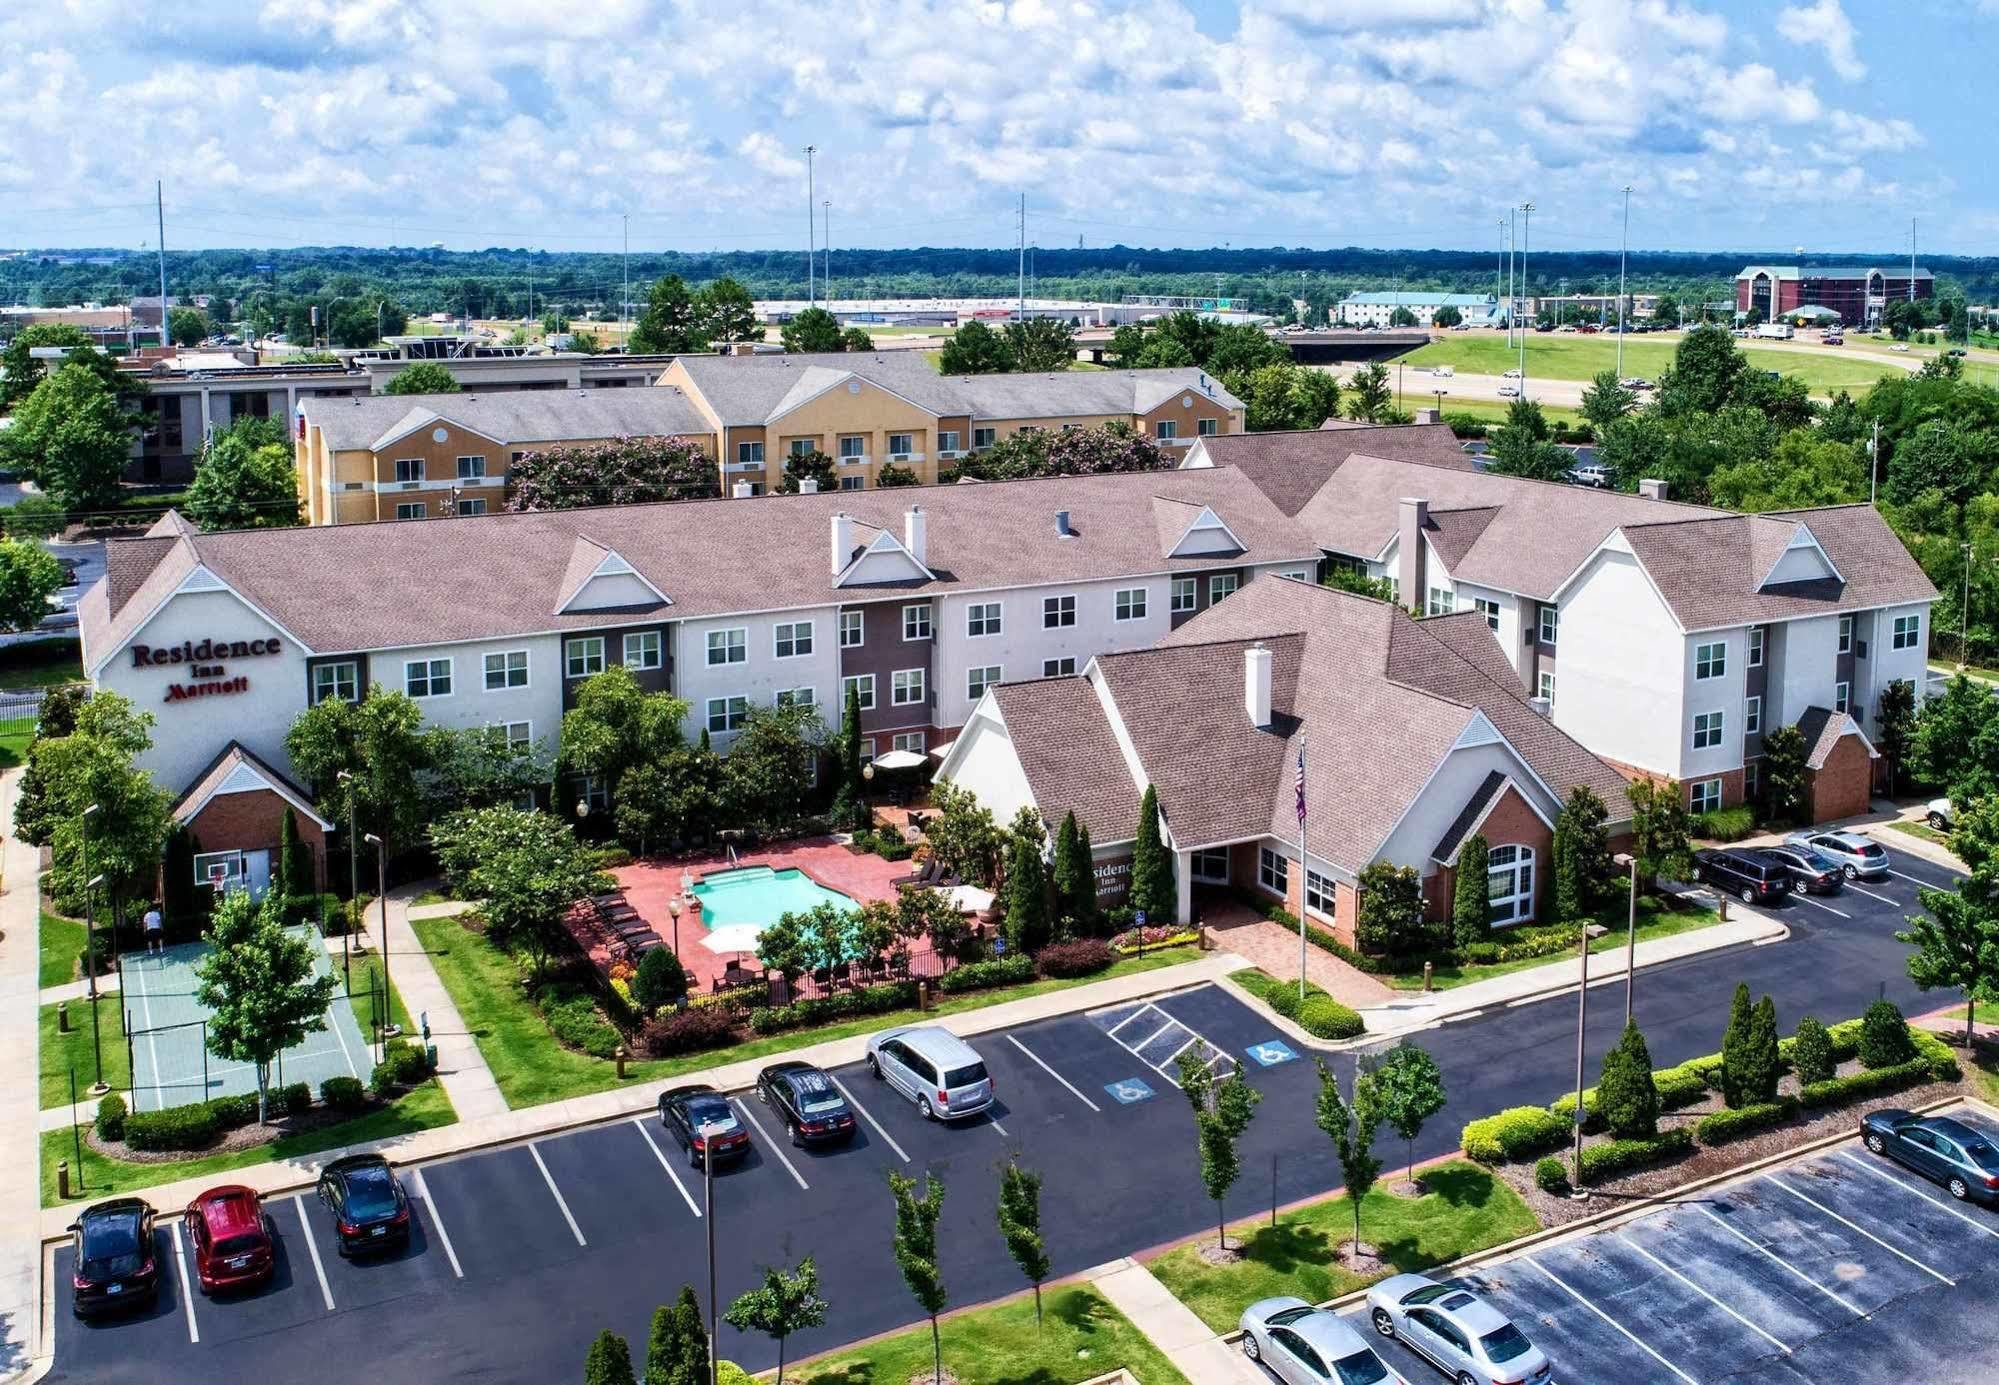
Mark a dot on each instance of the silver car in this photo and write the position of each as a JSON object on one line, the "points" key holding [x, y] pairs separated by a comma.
{"points": [[1303, 1345], [1456, 1331], [1855, 855], [934, 1068]]}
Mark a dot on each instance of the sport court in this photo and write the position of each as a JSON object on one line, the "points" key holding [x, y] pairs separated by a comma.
{"points": [[170, 1062]]}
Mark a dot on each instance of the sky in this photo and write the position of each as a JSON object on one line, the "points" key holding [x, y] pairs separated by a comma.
{"points": [[1738, 124]]}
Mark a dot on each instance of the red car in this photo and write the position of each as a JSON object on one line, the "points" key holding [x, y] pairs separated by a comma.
{"points": [[232, 1242]]}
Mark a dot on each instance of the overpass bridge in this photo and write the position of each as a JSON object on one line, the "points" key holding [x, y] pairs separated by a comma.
{"points": [[1308, 348]]}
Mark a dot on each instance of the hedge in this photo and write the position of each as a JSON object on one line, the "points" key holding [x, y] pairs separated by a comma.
{"points": [[686, 1031], [234, 1112], [1840, 1090], [1677, 1087], [295, 1099], [343, 1093], [1520, 944], [1724, 824], [1516, 1133], [1613, 1157], [978, 976], [1081, 957], [1722, 1127], [111, 1117], [1325, 1018], [802, 1014], [177, 1127], [1551, 1175], [576, 1022]]}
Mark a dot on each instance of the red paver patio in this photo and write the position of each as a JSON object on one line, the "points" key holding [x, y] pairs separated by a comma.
{"points": [[1274, 948]]}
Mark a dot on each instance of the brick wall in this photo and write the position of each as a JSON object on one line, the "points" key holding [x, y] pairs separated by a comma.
{"points": [[1841, 789], [254, 821]]}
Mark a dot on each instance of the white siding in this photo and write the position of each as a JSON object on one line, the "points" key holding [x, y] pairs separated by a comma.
{"points": [[1509, 635], [1444, 797], [984, 762], [761, 675], [1886, 664], [1724, 694], [1806, 675], [1619, 667], [469, 704]]}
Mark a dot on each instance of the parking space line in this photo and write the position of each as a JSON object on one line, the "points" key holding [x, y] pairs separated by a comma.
{"points": [[639, 1123], [186, 1296], [997, 1126], [1129, 1018], [1170, 1024], [549, 1179], [1915, 880], [1635, 1340], [1052, 1073], [1807, 899], [437, 1220], [743, 1110], [1886, 1177], [1192, 1039], [1765, 1250], [870, 1117], [1864, 1231], [1856, 886], [1706, 1295], [318, 1265]]}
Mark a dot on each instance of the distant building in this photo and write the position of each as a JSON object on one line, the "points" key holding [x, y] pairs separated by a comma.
{"points": [[1857, 293], [1378, 309]]}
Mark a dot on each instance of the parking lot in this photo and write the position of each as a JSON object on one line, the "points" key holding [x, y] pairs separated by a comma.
{"points": [[1878, 903], [1839, 1266]]}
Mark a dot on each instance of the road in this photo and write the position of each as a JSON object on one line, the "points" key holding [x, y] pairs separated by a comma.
{"points": [[523, 1253]]}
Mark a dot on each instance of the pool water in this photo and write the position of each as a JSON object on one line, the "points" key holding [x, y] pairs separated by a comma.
{"points": [[758, 894]]}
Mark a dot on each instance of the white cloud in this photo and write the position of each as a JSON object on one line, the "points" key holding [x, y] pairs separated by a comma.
{"points": [[762, 151], [1823, 24]]}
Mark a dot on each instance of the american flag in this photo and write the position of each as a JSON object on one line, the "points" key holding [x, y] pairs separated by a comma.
{"points": [[1301, 785]]}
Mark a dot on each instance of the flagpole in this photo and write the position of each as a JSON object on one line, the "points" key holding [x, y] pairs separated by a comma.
{"points": [[1304, 870]]}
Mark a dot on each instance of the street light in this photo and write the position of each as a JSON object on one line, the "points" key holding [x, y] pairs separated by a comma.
{"points": [[1440, 393], [708, 1133], [1526, 226], [673, 908], [90, 914], [382, 893], [1582, 1017], [353, 885], [97, 1088], [1630, 934], [1623, 250]]}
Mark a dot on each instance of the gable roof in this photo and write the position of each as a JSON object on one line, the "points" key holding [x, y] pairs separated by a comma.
{"points": [[1291, 466], [1822, 728], [1476, 810], [507, 417], [1070, 755], [236, 769]]}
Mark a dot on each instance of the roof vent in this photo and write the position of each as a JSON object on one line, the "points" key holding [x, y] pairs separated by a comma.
{"points": [[1652, 488], [808, 486], [1062, 529], [741, 490]]}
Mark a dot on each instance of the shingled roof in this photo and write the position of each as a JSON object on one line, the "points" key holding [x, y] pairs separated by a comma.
{"points": [[1290, 467], [376, 422]]}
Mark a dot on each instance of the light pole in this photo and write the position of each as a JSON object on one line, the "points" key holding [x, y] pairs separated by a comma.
{"points": [[811, 251], [1526, 235], [625, 300], [1440, 393], [1630, 934], [673, 908], [89, 914], [353, 885], [708, 1215], [382, 894], [97, 1088], [1582, 1018], [1623, 251]]}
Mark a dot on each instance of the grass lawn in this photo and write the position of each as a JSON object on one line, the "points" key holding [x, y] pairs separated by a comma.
{"points": [[1923, 830], [1653, 922], [62, 943], [62, 1051], [365, 966], [421, 1109], [1491, 410], [531, 1067], [1577, 357], [14, 737], [41, 664], [1949, 669], [1080, 1336], [1466, 1209]]}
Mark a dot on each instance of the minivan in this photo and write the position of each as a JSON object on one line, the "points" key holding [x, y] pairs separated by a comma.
{"points": [[934, 1068], [1750, 876]]}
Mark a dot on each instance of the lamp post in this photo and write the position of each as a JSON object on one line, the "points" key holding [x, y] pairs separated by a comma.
{"points": [[1526, 227], [353, 885], [1440, 393], [1582, 1018], [1630, 934], [382, 893], [89, 914], [673, 908], [1624, 249], [811, 250], [708, 1216], [97, 1088]]}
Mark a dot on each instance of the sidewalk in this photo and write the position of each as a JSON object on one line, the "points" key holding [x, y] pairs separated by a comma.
{"points": [[1182, 1338], [461, 1068], [21, 1224], [76, 990], [1875, 823]]}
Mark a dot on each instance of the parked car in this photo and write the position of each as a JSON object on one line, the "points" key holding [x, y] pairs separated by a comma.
{"points": [[1456, 1331], [230, 1239], [1635, 382], [1509, 375], [1303, 1345], [1899, 346], [1852, 853], [1940, 814], [1590, 474], [1944, 1150], [812, 1107], [934, 1068], [1833, 339], [1809, 872], [371, 1212], [116, 1267], [1748, 875], [1509, 391], [704, 1123], [1957, 351]]}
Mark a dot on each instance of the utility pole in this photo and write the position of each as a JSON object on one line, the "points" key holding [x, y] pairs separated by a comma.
{"points": [[1623, 252], [1022, 311], [160, 207], [1912, 262], [826, 277], [1499, 279], [1526, 235], [625, 301], [1512, 298], [811, 250], [1874, 462]]}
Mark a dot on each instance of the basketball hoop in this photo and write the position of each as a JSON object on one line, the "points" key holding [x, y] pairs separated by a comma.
{"points": [[218, 876]]}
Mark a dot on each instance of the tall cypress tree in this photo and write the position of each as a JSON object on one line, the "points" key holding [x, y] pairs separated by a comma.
{"points": [[1734, 1047], [1471, 894], [1027, 927], [1075, 883], [1626, 1096], [1089, 918], [1151, 868]]}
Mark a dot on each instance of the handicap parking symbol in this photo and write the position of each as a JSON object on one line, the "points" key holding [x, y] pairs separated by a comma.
{"points": [[1130, 1091], [1271, 1052]]}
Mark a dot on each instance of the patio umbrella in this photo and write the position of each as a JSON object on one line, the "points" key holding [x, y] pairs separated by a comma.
{"points": [[900, 759], [938, 752], [733, 937]]}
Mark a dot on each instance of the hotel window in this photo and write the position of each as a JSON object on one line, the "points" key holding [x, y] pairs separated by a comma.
{"points": [[901, 444], [1551, 624], [1710, 660], [860, 687], [794, 639], [1752, 716], [947, 440], [796, 697], [1166, 429], [1908, 631], [583, 656], [341, 680], [1752, 781], [1705, 796], [912, 741], [409, 469], [801, 447], [595, 793], [982, 618], [512, 735], [853, 628], [1320, 897], [1846, 634], [1756, 634], [1545, 686], [905, 687], [1131, 604], [853, 448], [1057, 612], [643, 649], [1273, 872], [1842, 693], [1186, 594], [853, 483], [508, 670], [728, 647], [983, 438], [472, 468], [410, 509], [977, 680], [750, 452], [1442, 601], [1509, 883], [1222, 584], [1707, 730], [727, 713], [1208, 427], [1488, 609], [1026, 428], [427, 678], [472, 507], [916, 621], [1211, 864], [1058, 668]]}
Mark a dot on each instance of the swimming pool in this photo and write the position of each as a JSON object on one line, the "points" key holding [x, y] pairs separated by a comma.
{"points": [[758, 894]]}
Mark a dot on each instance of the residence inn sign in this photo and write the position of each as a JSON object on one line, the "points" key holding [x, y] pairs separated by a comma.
{"points": [[205, 663]]}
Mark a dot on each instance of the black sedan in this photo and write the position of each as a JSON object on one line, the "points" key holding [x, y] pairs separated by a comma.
{"points": [[705, 1124], [371, 1212], [116, 1266], [1810, 873], [1943, 1150], [814, 1112]]}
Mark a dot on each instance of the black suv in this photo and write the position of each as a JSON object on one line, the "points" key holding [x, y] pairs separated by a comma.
{"points": [[1751, 876], [370, 1210], [115, 1264]]}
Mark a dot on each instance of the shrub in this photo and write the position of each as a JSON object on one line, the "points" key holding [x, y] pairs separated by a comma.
{"points": [[1724, 824], [403, 1064], [177, 1127], [1516, 1133], [343, 1093], [803, 1014], [1613, 1157], [1325, 1018], [295, 1099], [1483, 953], [658, 981], [1629, 1102], [977, 976], [1082, 957], [1723, 1126], [382, 1081], [1811, 1053], [1935, 1052], [111, 1117], [1283, 999], [687, 1031], [1840, 1090], [1677, 1087], [234, 1112], [1884, 1037], [576, 1022], [610, 857], [1564, 1110], [1551, 1175]]}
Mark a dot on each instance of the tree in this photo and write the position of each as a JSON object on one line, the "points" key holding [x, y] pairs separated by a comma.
{"points": [[21, 369], [659, 981], [1341, 577], [1626, 1096], [1281, 396], [1957, 941], [1786, 778], [1666, 308], [783, 1304], [1605, 400], [916, 1252], [1113, 447], [1804, 472], [725, 312], [526, 868], [1956, 743], [1409, 1089], [1812, 1055], [422, 377], [29, 577], [1446, 316], [1040, 344], [766, 777], [1750, 1065], [1706, 372], [801, 466], [625, 471], [609, 1361], [1152, 891], [1368, 395], [1075, 877], [294, 876], [1734, 1042], [73, 436], [814, 329], [245, 478], [976, 349], [1020, 1226], [1582, 854], [1895, 726], [188, 326], [1222, 1112], [1520, 446], [892, 474], [856, 339], [479, 767], [1471, 894], [964, 836], [677, 1346], [1401, 317], [1391, 911], [381, 744], [1350, 1126], [671, 323], [1659, 829], [95, 763], [1027, 922], [260, 986], [614, 725], [1241, 348]]}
